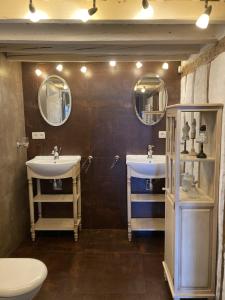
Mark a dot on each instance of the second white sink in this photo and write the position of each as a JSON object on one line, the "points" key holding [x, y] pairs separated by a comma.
{"points": [[147, 167], [47, 166]]}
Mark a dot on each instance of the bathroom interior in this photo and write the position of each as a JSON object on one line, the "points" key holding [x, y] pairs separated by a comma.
{"points": [[112, 149]]}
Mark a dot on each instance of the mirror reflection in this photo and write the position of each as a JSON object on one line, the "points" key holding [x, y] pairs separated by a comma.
{"points": [[150, 99], [54, 99]]}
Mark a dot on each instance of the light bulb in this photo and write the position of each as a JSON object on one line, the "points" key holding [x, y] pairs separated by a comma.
{"points": [[203, 21], [83, 69], [38, 72], [34, 17], [145, 13], [112, 63], [59, 67], [139, 64], [82, 15], [165, 66], [143, 90]]}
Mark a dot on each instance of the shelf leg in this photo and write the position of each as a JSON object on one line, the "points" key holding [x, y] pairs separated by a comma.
{"points": [[165, 277], [129, 208], [79, 202], [31, 202], [129, 232], [39, 204], [75, 211]]}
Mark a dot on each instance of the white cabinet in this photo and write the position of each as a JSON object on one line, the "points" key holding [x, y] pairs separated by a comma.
{"points": [[43, 223], [191, 215]]}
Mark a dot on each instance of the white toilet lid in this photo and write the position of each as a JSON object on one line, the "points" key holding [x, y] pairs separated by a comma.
{"points": [[19, 276]]}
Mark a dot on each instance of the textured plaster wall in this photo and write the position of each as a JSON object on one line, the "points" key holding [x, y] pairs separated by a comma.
{"points": [[13, 189]]}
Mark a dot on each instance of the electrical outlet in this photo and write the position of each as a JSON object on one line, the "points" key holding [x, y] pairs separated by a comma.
{"points": [[162, 134], [38, 135]]}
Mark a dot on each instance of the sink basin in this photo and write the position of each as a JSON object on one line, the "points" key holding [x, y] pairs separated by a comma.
{"points": [[148, 167], [47, 166]]}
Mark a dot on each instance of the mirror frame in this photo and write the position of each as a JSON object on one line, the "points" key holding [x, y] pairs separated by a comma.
{"points": [[39, 101], [134, 101]]}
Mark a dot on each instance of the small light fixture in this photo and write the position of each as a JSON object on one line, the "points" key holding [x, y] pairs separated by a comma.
{"points": [[203, 20], [93, 10], [33, 14], [165, 66], [83, 15], [112, 63], [146, 12], [143, 90], [38, 72], [139, 65], [83, 69], [59, 67]]}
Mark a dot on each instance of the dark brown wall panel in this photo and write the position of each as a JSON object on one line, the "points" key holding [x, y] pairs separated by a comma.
{"points": [[102, 124]]}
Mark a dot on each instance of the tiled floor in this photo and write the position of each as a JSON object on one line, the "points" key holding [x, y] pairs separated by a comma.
{"points": [[103, 265]]}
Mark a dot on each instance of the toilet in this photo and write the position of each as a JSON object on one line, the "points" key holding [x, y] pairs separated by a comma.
{"points": [[21, 278]]}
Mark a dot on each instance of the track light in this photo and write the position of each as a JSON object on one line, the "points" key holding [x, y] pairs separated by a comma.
{"points": [[34, 16], [112, 63], [203, 20], [38, 72], [165, 66], [139, 65], [93, 10], [83, 69], [145, 4]]}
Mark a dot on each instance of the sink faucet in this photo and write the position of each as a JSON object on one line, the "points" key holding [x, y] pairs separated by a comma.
{"points": [[150, 151], [56, 152]]}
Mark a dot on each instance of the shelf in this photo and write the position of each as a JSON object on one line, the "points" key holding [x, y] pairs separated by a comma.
{"points": [[201, 196], [55, 224], [147, 224], [54, 198], [186, 157], [147, 197]]}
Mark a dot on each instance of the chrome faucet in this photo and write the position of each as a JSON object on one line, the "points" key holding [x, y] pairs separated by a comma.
{"points": [[150, 151], [56, 152]]}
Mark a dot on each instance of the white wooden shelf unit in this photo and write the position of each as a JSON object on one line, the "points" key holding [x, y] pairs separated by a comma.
{"points": [[142, 224], [43, 223], [191, 218]]}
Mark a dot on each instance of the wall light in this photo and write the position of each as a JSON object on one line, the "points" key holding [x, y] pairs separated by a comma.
{"points": [[139, 65], [83, 69], [59, 67], [112, 63], [165, 66], [38, 72], [203, 20]]}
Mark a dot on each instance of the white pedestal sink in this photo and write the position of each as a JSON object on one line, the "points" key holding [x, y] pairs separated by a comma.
{"points": [[48, 167], [143, 167]]}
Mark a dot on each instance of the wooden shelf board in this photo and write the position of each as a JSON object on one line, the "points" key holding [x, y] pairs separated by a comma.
{"points": [[186, 157], [55, 224], [147, 197], [54, 198], [148, 224]]}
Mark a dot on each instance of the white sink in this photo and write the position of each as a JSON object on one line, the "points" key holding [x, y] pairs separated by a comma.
{"points": [[47, 166], [141, 166]]}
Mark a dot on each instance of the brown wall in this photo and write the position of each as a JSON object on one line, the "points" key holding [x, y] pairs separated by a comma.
{"points": [[102, 124], [13, 188]]}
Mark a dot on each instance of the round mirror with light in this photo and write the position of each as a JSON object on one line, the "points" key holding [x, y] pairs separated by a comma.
{"points": [[54, 100], [150, 99]]}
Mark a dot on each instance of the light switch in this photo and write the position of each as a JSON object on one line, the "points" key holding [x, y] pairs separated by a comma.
{"points": [[162, 134], [38, 135]]}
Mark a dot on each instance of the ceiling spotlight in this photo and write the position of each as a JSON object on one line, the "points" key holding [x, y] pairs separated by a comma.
{"points": [[38, 72], [112, 63], [33, 14], [139, 65], [93, 10], [145, 4], [59, 67], [83, 69], [203, 20], [165, 66]]}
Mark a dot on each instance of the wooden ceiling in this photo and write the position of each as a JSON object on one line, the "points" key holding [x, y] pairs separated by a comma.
{"points": [[113, 33]]}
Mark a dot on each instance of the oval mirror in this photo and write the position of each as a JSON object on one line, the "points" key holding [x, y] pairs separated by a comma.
{"points": [[54, 100], [150, 99]]}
